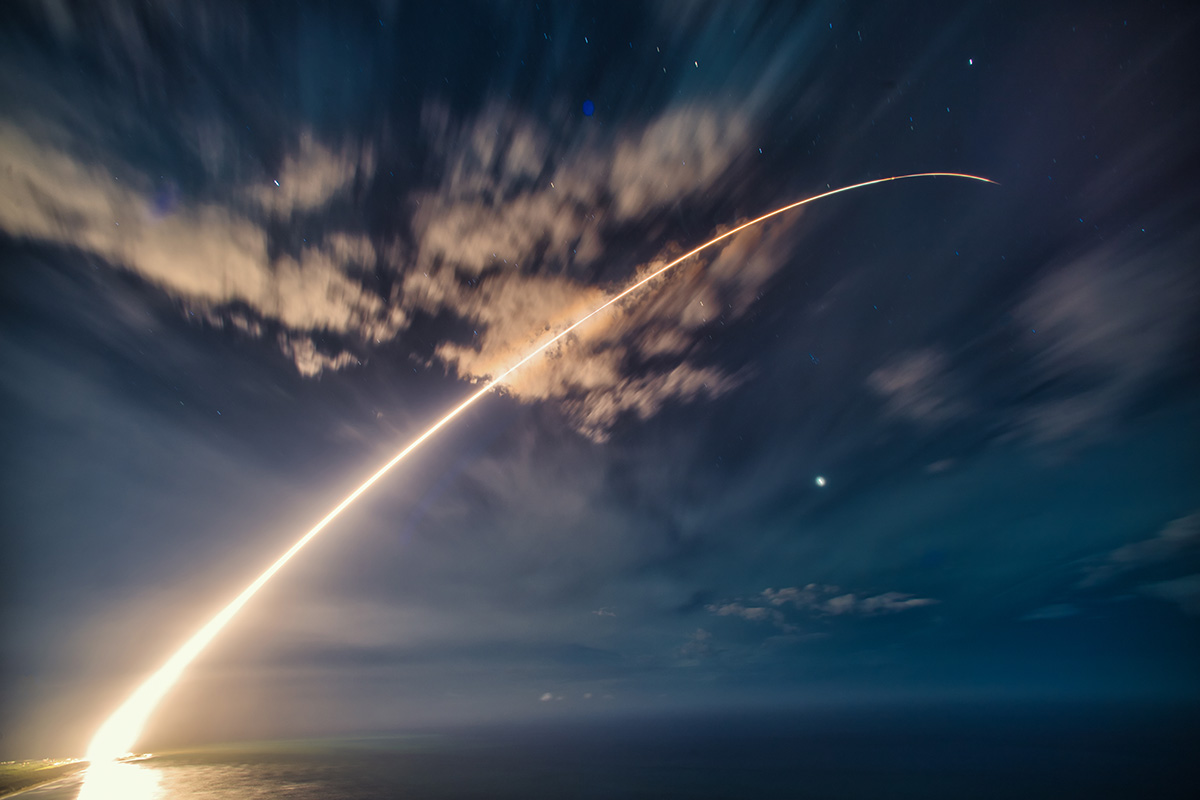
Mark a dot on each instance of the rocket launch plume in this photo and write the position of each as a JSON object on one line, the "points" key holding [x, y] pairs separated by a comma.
{"points": [[120, 731]]}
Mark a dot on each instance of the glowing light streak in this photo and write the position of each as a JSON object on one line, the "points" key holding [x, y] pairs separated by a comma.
{"points": [[120, 731], [120, 780]]}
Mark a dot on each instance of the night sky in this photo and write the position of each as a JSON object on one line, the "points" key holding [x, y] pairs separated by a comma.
{"points": [[935, 441]]}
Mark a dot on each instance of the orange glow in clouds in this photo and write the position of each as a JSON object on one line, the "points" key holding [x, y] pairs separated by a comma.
{"points": [[120, 732]]}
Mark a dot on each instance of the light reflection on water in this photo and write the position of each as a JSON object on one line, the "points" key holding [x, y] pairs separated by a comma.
{"points": [[343, 770], [116, 780], [174, 779], [188, 776]]}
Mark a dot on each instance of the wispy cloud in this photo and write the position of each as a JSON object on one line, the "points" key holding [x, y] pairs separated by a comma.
{"points": [[832, 601], [214, 257], [816, 600], [698, 646], [749, 613], [1166, 566], [1179, 539], [1183, 592], [915, 387], [1054, 611], [1100, 329]]}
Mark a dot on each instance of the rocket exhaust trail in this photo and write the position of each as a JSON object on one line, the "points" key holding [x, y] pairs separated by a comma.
{"points": [[120, 732]]}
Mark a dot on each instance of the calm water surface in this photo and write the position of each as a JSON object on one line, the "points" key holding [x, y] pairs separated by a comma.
{"points": [[951, 754]]}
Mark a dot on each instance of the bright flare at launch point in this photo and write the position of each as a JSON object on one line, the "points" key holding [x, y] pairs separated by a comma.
{"points": [[117, 736]]}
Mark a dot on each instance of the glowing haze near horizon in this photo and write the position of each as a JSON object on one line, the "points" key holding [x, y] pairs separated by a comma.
{"points": [[930, 443]]}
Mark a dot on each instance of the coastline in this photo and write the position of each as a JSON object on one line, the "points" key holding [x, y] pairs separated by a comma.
{"points": [[21, 776]]}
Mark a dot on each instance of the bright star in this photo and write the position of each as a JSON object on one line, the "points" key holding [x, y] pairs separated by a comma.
{"points": [[820, 480]]}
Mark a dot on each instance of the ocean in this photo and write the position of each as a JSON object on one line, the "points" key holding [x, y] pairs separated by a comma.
{"points": [[869, 754]]}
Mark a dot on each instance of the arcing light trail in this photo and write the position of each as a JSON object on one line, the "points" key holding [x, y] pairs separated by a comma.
{"points": [[120, 732]]}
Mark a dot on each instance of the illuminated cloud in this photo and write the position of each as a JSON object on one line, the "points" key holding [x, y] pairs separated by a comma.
{"points": [[632, 359], [592, 371], [311, 177], [683, 151], [511, 192], [207, 255], [310, 361], [513, 199]]}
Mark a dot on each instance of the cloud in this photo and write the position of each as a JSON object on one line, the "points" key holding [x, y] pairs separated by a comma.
{"points": [[1101, 328], [505, 242], [698, 646], [886, 603], [513, 198], [1183, 592], [312, 176], [816, 600], [749, 613], [681, 152], [310, 361], [1166, 567], [513, 192], [599, 372], [210, 256], [1175, 543], [914, 387], [1055, 611], [350, 248], [831, 601], [130, 39]]}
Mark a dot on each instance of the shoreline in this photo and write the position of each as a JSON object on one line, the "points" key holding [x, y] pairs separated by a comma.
{"points": [[18, 783]]}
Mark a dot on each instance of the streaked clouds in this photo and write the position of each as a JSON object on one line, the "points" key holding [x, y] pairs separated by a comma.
{"points": [[1166, 566], [816, 600], [209, 255], [1103, 327], [914, 388], [506, 200]]}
